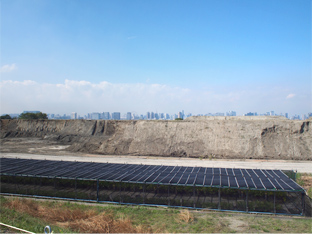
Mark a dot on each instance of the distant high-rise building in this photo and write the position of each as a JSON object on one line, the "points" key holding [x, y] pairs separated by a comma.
{"points": [[73, 115], [33, 112], [250, 114], [106, 115], [167, 116], [162, 116], [156, 116], [116, 115], [286, 115], [95, 115], [152, 115], [231, 113], [272, 113], [148, 115], [128, 116]]}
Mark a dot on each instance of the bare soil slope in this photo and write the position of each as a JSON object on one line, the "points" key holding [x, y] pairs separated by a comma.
{"points": [[207, 137]]}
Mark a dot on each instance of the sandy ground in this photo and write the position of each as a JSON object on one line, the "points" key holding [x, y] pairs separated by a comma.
{"points": [[299, 166], [37, 148]]}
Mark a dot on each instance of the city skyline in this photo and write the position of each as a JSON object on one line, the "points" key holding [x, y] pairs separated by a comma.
{"points": [[159, 115], [64, 56]]}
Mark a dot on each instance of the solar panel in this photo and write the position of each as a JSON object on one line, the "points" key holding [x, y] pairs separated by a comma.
{"points": [[150, 174]]}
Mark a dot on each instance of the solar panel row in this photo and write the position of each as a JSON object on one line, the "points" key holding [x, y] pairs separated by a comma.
{"points": [[151, 174]]}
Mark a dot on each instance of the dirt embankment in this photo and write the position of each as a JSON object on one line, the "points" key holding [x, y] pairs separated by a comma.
{"points": [[208, 137]]}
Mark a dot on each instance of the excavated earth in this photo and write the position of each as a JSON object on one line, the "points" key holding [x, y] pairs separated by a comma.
{"points": [[201, 137]]}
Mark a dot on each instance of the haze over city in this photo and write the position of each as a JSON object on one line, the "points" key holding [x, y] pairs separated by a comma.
{"points": [[166, 56]]}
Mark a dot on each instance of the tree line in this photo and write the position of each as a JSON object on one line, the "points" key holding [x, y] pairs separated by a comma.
{"points": [[27, 115]]}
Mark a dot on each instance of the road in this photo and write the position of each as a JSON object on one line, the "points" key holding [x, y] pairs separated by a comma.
{"points": [[300, 166]]}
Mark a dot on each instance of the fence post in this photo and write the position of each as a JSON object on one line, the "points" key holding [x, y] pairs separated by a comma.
{"points": [[15, 183], [120, 192], [274, 202], [168, 196], [144, 193], [219, 194], [97, 190], [247, 201], [303, 203], [76, 188], [194, 196]]}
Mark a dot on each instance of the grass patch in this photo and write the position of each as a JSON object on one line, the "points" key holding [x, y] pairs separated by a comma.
{"points": [[305, 180], [34, 215]]}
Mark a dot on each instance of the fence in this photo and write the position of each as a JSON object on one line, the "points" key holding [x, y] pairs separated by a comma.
{"points": [[276, 202]]}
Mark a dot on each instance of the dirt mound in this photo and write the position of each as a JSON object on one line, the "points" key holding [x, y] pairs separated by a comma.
{"points": [[204, 137]]}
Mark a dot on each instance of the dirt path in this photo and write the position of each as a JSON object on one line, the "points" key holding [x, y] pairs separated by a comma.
{"points": [[300, 166]]}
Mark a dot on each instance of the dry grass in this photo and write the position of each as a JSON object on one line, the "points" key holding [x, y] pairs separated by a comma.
{"points": [[87, 221], [307, 180], [185, 216]]}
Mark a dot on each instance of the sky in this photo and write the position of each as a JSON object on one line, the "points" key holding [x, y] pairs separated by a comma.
{"points": [[201, 56]]}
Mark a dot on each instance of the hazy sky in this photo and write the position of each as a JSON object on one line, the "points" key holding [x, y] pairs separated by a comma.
{"points": [[63, 56]]}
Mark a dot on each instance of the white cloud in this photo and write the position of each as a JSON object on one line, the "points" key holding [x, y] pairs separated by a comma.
{"points": [[8, 68], [85, 97], [291, 95]]}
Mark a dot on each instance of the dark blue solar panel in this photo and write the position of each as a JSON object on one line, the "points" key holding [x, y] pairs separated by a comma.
{"points": [[267, 184], [208, 180], [224, 181], [230, 172], [250, 182], [175, 179], [258, 183], [216, 171], [233, 182], [216, 180], [209, 171], [190, 180], [241, 182], [183, 179], [237, 172], [199, 180], [226, 177]]}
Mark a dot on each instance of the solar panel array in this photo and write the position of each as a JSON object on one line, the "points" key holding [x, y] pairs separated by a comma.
{"points": [[236, 178]]}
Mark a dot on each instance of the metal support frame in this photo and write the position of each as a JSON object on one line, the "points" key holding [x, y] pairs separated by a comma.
{"points": [[219, 197], [194, 203], [97, 190], [144, 193], [168, 196], [75, 188], [247, 201], [119, 192], [302, 202], [274, 202], [170, 202], [14, 181]]}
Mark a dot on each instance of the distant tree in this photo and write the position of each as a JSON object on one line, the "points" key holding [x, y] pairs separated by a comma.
{"points": [[5, 117], [178, 119], [39, 115]]}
